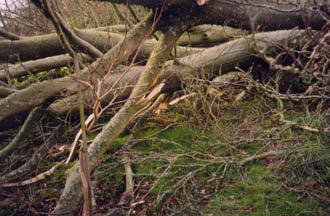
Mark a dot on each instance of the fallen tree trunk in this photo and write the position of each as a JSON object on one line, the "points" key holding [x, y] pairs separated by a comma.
{"points": [[197, 36], [227, 55], [5, 91], [202, 35], [43, 46], [238, 52], [30, 97], [142, 94], [265, 14], [207, 35], [33, 67]]}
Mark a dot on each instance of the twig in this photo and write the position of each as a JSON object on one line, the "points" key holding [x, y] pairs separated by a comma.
{"points": [[25, 130], [78, 135], [292, 123], [83, 157], [35, 179], [133, 13], [120, 15], [128, 195], [37, 156], [260, 156], [177, 100], [9, 35]]}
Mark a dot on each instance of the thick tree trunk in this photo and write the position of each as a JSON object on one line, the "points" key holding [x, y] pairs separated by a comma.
{"points": [[208, 35], [227, 56], [264, 14], [42, 46]]}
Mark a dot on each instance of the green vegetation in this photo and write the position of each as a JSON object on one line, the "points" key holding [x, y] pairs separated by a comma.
{"points": [[195, 170], [259, 193]]}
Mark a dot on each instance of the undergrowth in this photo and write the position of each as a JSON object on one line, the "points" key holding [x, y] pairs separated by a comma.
{"points": [[204, 157], [193, 168]]}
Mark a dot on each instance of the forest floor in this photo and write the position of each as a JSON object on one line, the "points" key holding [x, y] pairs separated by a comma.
{"points": [[199, 157]]}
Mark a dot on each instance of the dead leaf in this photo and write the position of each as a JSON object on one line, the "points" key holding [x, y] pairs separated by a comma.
{"points": [[161, 108]]}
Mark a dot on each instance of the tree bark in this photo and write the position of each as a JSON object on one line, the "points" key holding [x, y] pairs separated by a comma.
{"points": [[35, 66], [264, 14], [37, 47]]}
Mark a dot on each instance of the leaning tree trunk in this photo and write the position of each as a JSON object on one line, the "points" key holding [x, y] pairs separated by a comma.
{"points": [[140, 98]]}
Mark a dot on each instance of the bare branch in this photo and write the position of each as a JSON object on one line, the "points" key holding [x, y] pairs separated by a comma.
{"points": [[9, 35]]}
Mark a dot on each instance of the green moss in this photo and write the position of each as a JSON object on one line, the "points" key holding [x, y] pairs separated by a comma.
{"points": [[197, 152], [170, 140], [311, 120], [259, 193], [60, 174], [111, 178]]}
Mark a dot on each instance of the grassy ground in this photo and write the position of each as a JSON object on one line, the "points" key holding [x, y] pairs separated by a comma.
{"points": [[198, 169]]}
